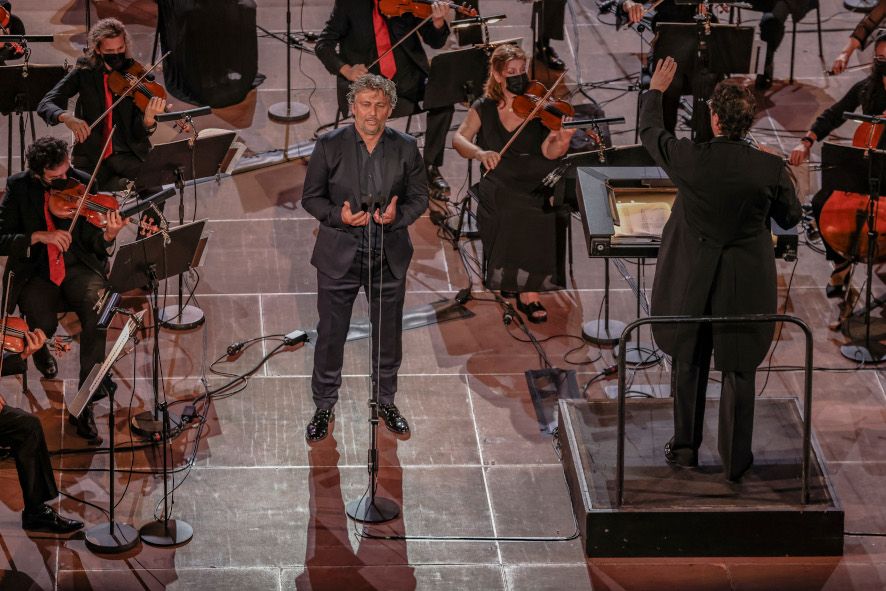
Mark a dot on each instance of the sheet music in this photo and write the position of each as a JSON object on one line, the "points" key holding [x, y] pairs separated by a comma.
{"points": [[641, 212]]}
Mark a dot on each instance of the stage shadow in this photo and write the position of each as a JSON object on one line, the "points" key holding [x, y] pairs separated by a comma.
{"points": [[336, 557]]}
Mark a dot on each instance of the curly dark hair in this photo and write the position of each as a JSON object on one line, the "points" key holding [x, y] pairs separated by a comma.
{"points": [[735, 106], [46, 152]]}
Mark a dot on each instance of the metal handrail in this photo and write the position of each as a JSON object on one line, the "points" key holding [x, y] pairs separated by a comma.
{"points": [[807, 408]]}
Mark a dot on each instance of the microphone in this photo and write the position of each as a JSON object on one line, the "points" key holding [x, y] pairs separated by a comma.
{"points": [[508, 315]]}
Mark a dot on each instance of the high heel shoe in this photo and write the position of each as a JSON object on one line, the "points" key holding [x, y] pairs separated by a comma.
{"points": [[838, 280]]}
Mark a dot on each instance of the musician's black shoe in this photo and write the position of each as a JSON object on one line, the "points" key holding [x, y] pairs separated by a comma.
{"points": [[685, 458], [546, 55], [764, 80], [85, 424], [394, 421], [108, 386], [318, 428], [736, 475], [45, 519], [45, 362], [439, 188]]}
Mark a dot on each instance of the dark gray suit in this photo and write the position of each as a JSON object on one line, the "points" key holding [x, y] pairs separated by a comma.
{"points": [[331, 179], [716, 258]]}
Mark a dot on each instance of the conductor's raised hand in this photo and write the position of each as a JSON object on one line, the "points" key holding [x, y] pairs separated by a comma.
{"points": [[665, 69], [348, 218], [389, 215]]}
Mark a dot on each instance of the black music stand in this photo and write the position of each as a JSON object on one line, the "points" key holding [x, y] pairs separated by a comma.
{"points": [[21, 88], [177, 163], [147, 262], [111, 537], [859, 170], [704, 55]]}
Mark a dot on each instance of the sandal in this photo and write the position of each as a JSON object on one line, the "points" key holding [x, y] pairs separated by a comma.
{"points": [[838, 280], [531, 310]]}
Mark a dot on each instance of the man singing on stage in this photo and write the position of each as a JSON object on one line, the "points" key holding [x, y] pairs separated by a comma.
{"points": [[366, 184], [716, 259]]}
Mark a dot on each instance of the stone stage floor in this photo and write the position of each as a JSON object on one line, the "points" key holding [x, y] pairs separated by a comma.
{"points": [[268, 510]]}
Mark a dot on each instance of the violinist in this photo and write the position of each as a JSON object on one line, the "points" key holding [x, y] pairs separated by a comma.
{"points": [[522, 234], [870, 95], [357, 33], [108, 50], [55, 270], [13, 26], [23, 433]]}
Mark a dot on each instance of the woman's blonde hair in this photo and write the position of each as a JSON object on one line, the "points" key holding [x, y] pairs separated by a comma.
{"points": [[107, 28], [497, 62]]}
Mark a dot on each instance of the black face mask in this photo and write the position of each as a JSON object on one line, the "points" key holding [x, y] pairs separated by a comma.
{"points": [[115, 61], [59, 184], [517, 83], [880, 67]]}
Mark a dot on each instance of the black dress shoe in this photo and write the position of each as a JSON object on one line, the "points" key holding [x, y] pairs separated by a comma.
{"points": [[318, 428], [674, 458], [764, 80], [46, 519], [549, 57], [108, 386], [439, 188], [736, 475], [45, 362], [394, 421], [85, 424]]}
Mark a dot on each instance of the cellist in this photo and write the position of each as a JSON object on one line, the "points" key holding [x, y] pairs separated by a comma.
{"points": [[870, 95]]}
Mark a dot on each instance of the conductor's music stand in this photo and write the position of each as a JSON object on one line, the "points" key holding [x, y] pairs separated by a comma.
{"points": [[177, 163], [859, 170], [21, 88], [147, 262], [704, 56], [111, 537]]}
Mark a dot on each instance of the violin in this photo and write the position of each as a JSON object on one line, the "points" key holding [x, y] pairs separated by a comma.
{"points": [[843, 220], [64, 203], [120, 83], [419, 8], [5, 19], [551, 112], [13, 329]]}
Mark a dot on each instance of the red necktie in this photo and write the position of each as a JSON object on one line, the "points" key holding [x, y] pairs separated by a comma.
{"points": [[387, 65], [109, 124], [56, 258]]}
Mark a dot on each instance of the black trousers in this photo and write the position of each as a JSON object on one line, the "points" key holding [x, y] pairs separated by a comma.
{"points": [[552, 17], [335, 302], [41, 300], [689, 380], [23, 433]]}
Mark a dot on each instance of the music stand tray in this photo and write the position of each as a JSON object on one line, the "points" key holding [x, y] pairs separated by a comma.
{"points": [[455, 76], [846, 168], [730, 47], [173, 162]]}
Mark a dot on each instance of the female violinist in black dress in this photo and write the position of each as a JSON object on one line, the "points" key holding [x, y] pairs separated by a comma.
{"points": [[523, 236]]}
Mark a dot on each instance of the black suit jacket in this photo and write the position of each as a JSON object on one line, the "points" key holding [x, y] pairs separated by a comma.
{"points": [[21, 214], [85, 82], [331, 180], [716, 248], [349, 38]]}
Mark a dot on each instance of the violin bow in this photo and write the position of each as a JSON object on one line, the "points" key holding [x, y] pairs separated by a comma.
{"points": [[5, 308], [529, 117], [401, 40], [128, 91], [89, 185]]}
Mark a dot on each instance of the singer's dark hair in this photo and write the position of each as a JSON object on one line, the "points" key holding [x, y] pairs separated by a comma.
{"points": [[46, 152], [735, 106]]}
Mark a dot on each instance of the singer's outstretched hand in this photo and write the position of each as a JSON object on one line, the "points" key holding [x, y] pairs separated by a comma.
{"points": [[390, 213], [361, 218]]}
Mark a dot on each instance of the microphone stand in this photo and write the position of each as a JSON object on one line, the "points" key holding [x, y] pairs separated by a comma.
{"points": [[289, 111], [371, 508]]}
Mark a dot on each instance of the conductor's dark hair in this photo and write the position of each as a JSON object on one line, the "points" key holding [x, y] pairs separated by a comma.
{"points": [[735, 106], [46, 152]]}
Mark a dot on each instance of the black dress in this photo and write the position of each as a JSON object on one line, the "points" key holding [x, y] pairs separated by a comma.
{"points": [[523, 237]]}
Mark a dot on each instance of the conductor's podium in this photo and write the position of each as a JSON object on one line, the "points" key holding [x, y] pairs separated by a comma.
{"points": [[673, 511]]}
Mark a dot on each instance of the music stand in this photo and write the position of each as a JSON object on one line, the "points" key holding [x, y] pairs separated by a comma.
{"points": [[111, 537], [176, 163], [859, 170], [22, 87], [147, 262], [704, 57]]}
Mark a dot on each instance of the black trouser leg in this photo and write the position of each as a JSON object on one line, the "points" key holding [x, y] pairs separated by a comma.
{"points": [[81, 292], [40, 300], [438, 123], [736, 422], [386, 319], [335, 302], [553, 18], [689, 381], [772, 29], [23, 432]]}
